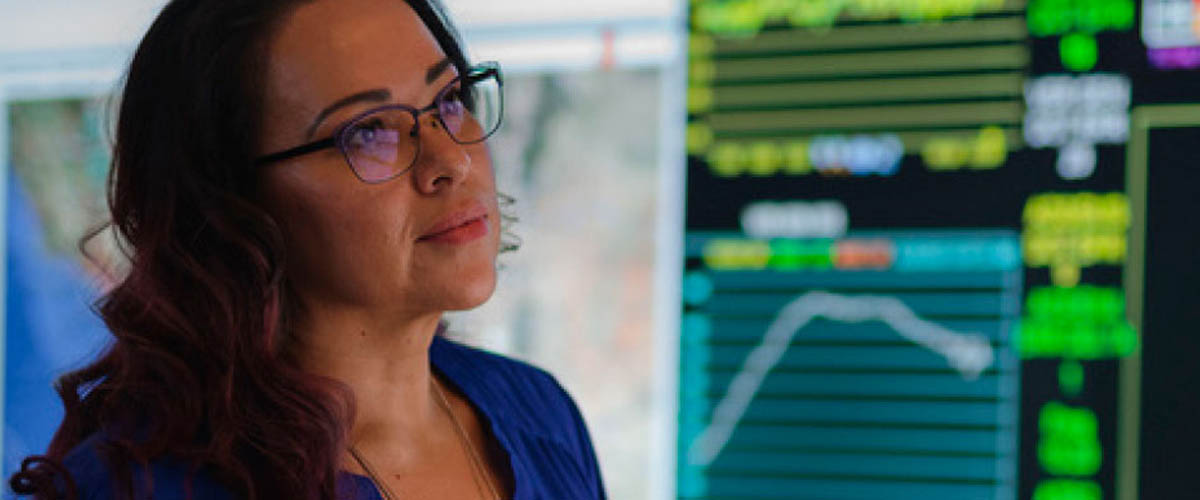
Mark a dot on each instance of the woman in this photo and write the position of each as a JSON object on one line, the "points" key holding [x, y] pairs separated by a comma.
{"points": [[304, 188]]}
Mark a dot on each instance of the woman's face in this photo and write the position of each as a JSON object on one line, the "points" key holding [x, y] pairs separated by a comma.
{"points": [[375, 246]]}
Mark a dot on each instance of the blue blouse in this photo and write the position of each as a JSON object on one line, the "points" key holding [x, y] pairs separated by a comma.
{"points": [[530, 414]]}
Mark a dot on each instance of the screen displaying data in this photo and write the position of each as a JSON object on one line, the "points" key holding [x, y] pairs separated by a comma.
{"points": [[881, 355], [939, 249]]}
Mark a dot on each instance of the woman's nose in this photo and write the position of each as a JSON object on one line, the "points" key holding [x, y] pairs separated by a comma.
{"points": [[443, 162]]}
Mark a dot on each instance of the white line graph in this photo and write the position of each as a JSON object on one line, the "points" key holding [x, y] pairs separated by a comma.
{"points": [[969, 353]]}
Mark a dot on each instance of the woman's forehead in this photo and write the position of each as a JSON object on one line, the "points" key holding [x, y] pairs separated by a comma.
{"points": [[328, 49]]}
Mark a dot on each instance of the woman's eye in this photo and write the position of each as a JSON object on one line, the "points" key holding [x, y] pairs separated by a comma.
{"points": [[374, 135], [456, 95], [366, 133], [453, 102]]}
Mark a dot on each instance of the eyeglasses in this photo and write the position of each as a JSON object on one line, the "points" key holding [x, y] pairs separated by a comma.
{"points": [[384, 142]]}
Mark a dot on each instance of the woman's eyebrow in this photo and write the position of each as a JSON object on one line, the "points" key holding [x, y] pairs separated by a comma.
{"points": [[373, 95], [436, 70]]}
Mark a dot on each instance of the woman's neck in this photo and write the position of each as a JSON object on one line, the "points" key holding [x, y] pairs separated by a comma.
{"points": [[385, 364]]}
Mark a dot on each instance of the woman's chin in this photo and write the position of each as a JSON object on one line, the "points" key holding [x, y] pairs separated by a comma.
{"points": [[469, 293]]}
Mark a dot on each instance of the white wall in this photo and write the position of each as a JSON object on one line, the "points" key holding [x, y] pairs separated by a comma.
{"points": [[67, 24], [530, 35], [70, 24]]}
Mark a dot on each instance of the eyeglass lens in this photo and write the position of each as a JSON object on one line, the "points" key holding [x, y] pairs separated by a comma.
{"points": [[383, 144]]}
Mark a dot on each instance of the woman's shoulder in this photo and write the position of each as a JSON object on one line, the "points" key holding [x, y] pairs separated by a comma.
{"points": [[96, 478]]}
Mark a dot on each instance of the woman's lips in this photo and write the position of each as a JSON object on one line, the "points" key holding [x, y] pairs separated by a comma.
{"points": [[459, 227], [464, 233]]}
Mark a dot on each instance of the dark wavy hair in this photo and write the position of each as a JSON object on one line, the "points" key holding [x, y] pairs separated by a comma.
{"points": [[197, 370]]}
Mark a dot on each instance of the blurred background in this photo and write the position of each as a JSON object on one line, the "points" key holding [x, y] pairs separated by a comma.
{"points": [[826, 249]]}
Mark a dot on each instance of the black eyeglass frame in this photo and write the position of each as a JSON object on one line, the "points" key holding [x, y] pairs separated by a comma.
{"points": [[474, 74]]}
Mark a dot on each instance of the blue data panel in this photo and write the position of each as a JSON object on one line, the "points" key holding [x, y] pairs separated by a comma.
{"points": [[850, 376]]}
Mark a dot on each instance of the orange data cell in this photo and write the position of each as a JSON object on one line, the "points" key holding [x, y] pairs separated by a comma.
{"points": [[864, 254]]}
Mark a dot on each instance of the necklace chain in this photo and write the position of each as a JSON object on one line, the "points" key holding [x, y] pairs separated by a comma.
{"points": [[379, 484], [478, 471], [476, 460]]}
